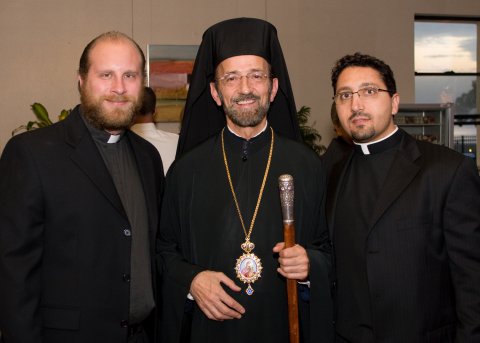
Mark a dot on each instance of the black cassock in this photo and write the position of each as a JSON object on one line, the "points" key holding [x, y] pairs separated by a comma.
{"points": [[201, 230]]}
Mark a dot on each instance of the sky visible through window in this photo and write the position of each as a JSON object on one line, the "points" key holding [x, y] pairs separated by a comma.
{"points": [[442, 47], [445, 47]]}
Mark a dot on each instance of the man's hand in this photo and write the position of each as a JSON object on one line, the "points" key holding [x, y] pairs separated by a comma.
{"points": [[294, 263], [212, 298]]}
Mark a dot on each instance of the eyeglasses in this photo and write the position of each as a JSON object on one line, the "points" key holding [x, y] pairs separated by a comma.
{"points": [[367, 93], [254, 77]]}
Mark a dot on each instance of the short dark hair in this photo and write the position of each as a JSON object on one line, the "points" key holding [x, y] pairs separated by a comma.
{"points": [[361, 60], [149, 102], [84, 64]]}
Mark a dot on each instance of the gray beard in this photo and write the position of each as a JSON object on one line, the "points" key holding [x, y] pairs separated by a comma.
{"points": [[249, 118]]}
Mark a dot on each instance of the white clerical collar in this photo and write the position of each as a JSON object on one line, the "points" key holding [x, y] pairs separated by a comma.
{"points": [[364, 146], [114, 138], [259, 133], [101, 135]]}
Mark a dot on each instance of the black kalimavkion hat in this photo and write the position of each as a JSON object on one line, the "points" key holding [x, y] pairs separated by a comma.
{"points": [[241, 36]]}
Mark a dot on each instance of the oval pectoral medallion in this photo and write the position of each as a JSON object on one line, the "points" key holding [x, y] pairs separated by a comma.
{"points": [[249, 270]]}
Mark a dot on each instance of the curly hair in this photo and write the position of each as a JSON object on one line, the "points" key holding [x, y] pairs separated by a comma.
{"points": [[361, 60]]}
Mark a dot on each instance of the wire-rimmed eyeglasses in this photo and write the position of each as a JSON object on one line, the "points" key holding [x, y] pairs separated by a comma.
{"points": [[254, 77], [344, 97]]}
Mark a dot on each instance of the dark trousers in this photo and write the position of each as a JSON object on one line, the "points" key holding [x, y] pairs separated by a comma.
{"points": [[137, 334], [340, 339]]}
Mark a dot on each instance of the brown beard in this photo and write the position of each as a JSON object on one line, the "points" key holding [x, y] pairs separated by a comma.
{"points": [[97, 116]]}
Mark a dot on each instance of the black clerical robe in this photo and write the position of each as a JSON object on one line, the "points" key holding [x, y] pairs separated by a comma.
{"points": [[201, 230], [363, 181], [421, 252]]}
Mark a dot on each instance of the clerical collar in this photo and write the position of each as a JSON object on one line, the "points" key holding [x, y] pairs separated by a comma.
{"points": [[231, 130], [380, 145], [246, 147], [101, 135]]}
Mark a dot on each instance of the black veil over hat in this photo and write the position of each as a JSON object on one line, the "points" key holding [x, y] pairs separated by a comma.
{"points": [[241, 36]]}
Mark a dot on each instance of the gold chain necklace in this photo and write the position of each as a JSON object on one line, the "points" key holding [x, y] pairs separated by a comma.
{"points": [[248, 266]]}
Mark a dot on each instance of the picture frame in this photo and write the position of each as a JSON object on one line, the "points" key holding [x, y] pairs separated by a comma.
{"points": [[169, 68]]}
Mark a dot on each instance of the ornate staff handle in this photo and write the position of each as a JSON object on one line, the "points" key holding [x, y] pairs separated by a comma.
{"points": [[285, 184]]}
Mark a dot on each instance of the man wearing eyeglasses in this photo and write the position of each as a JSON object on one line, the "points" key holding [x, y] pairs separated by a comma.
{"points": [[404, 217], [222, 202]]}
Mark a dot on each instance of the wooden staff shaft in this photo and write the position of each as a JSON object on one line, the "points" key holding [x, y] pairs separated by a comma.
{"points": [[289, 238]]}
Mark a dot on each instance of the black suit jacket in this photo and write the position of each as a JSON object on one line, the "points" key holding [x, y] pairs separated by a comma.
{"points": [[423, 245], [64, 236]]}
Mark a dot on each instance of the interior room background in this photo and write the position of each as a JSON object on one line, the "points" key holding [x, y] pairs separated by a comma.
{"points": [[41, 42]]}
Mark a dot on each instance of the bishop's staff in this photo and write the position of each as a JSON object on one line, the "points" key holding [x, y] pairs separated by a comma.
{"points": [[285, 183]]}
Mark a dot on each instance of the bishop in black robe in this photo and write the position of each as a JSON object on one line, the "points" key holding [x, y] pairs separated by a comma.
{"points": [[201, 230]]}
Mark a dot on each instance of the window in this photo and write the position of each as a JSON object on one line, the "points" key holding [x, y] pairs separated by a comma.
{"points": [[446, 71]]}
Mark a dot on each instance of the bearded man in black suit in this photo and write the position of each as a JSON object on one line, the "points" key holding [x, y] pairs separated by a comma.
{"points": [[79, 212], [404, 217]]}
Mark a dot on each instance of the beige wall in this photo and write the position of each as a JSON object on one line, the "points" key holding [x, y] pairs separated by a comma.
{"points": [[41, 42]]}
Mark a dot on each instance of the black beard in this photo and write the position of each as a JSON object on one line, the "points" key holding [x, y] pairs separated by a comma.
{"points": [[364, 135]]}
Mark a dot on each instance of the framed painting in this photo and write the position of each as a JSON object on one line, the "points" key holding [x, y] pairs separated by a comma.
{"points": [[169, 69]]}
